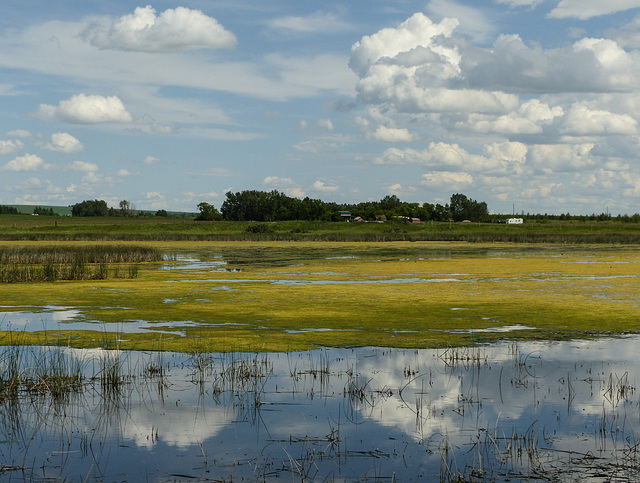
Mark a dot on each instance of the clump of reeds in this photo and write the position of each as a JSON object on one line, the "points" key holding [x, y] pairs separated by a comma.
{"points": [[45, 373], [110, 376], [79, 253], [466, 356], [618, 389], [51, 263]]}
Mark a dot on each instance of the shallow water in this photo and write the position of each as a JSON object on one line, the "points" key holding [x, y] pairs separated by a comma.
{"points": [[566, 410], [55, 318]]}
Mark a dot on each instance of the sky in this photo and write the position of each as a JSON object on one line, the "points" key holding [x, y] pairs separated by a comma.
{"points": [[529, 105]]}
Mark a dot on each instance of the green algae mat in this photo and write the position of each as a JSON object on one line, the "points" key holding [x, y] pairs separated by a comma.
{"points": [[282, 296]]}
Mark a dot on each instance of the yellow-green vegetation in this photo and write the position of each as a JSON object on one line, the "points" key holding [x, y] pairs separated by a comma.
{"points": [[274, 296]]}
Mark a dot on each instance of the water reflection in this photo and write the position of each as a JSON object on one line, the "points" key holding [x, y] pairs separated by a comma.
{"points": [[55, 318], [565, 410]]}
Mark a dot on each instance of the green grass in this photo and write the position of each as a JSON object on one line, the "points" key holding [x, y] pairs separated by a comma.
{"points": [[26, 228]]}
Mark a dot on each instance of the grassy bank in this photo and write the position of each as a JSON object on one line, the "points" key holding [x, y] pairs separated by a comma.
{"points": [[14, 228]]}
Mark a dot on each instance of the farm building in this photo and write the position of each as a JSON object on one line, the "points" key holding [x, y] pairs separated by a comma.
{"points": [[514, 221]]}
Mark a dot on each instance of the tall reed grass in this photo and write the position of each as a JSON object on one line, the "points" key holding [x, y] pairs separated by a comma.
{"points": [[48, 264], [46, 372]]}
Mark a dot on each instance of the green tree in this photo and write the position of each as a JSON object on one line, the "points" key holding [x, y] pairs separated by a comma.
{"points": [[390, 203], [126, 209], [8, 210], [90, 208], [463, 208], [208, 213], [39, 210]]}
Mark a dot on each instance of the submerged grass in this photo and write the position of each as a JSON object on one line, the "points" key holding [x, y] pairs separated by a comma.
{"points": [[292, 296]]}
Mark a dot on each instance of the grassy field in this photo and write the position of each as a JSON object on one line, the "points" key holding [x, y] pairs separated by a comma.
{"points": [[274, 296], [17, 227]]}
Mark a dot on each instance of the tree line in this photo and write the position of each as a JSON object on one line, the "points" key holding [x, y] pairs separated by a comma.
{"points": [[252, 205], [100, 208], [38, 210]]}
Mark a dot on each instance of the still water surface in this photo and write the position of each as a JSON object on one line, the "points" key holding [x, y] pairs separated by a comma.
{"points": [[563, 410]]}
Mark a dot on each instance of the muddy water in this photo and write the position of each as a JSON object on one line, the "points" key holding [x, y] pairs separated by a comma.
{"points": [[566, 410]]}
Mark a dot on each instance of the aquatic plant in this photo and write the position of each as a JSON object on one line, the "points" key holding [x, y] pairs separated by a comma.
{"points": [[34, 371]]}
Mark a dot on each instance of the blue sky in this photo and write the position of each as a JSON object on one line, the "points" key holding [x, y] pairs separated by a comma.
{"points": [[525, 104]]}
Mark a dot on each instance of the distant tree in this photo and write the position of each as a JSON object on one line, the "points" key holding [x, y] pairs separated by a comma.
{"points": [[390, 203], [255, 206], [126, 209], [208, 213], [463, 208], [161, 213], [8, 210], [39, 210], [90, 208]]}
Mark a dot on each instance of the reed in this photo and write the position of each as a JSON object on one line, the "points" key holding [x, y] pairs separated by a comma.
{"points": [[38, 372], [68, 254], [52, 263]]}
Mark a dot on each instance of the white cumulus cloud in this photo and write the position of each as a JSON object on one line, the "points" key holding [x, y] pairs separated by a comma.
{"points": [[582, 119], [520, 3], [287, 185], [82, 166], [414, 67], [10, 146], [585, 9], [150, 160], [447, 180], [173, 30], [326, 124], [392, 134], [443, 156], [28, 162], [473, 21], [508, 151], [87, 109], [550, 158], [324, 187], [530, 118], [63, 142]]}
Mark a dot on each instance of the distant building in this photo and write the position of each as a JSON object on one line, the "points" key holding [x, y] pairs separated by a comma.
{"points": [[346, 215], [515, 221]]}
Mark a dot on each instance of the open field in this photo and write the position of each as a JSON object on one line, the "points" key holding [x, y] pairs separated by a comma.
{"points": [[16, 227], [282, 296]]}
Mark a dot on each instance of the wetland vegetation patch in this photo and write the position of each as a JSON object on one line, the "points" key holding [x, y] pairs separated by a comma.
{"points": [[272, 296], [48, 263]]}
